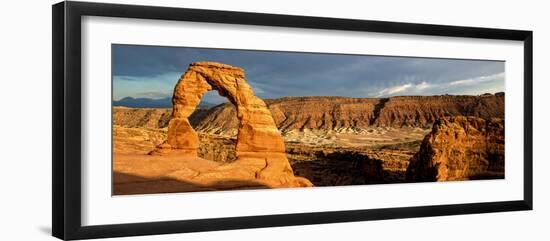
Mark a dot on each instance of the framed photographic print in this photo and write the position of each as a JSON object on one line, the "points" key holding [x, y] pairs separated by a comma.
{"points": [[170, 120]]}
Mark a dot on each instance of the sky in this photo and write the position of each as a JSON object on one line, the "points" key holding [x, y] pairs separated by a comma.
{"points": [[153, 71]]}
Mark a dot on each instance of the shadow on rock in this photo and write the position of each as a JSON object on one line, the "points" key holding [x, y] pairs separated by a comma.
{"points": [[125, 184]]}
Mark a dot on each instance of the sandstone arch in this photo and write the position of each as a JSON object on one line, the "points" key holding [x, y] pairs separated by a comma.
{"points": [[260, 149], [257, 131]]}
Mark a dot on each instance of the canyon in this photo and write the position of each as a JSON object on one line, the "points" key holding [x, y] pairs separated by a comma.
{"points": [[334, 141]]}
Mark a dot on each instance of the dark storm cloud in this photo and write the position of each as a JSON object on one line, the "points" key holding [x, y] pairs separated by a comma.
{"points": [[277, 74]]}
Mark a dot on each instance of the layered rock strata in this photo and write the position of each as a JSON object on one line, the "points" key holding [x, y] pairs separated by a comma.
{"points": [[329, 113], [356, 114]]}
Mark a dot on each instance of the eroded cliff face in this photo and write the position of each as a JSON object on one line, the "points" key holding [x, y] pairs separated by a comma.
{"points": [[151, 118], [423, 111], [328, 113], [460, 148], [324, 113], [342, 114]]}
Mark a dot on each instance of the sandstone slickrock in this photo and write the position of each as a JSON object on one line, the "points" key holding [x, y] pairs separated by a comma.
{"points": [[260, 149], [460, 148], [136, 140]]}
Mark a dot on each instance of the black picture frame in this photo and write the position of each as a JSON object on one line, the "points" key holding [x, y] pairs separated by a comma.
{"points": [[66, 164]]}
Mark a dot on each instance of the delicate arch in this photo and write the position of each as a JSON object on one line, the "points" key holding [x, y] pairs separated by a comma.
{"points": [[257, 131]]}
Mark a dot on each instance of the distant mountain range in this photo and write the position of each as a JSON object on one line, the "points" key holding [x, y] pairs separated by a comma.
{"points": [[152, 103]]}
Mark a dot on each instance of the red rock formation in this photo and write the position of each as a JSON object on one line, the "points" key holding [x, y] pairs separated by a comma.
{"points": [[260, 149], [256, 132], [328, 113], [335, 113], [460, 148], [422, 111]]}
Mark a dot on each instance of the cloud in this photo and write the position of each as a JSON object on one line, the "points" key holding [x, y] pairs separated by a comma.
{"points": [[487, 78], [258, 88], [394, 90], [141, 69], [156, 86], [471, 86], [153, 94], [423, 85], [408, 88], [462, 82], [164, 77], [213, 97]]}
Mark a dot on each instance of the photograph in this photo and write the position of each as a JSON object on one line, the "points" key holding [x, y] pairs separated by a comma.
{"points": [[275, 120], [188, 119]]}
